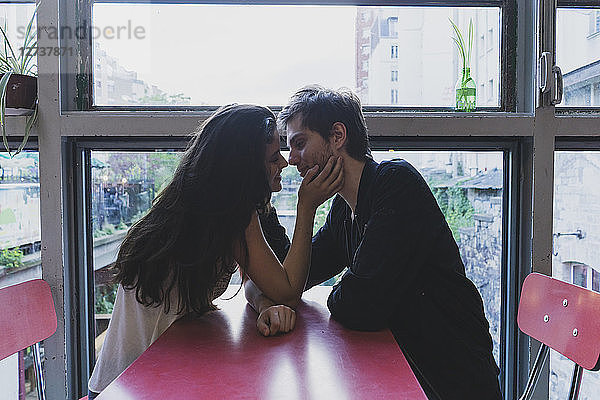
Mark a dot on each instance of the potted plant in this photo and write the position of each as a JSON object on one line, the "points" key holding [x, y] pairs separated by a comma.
{"points": [[18, 80], [465, 86]]}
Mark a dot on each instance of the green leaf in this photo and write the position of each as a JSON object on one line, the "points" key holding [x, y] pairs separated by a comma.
{"points": [[464, 48], [3, 85], [460, 49], [459, 42], [31, 120], [27, 42], [22, 64], [7, 43], [470, 41]]}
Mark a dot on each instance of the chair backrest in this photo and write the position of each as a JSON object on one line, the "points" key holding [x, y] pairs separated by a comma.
{"points": [[27, 316], [563, 316]]}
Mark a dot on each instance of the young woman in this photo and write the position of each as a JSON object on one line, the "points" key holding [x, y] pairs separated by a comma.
{"points": [[180, 256]]}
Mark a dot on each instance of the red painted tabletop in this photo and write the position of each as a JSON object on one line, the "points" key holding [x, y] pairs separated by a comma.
{"points": [[223, 356]]}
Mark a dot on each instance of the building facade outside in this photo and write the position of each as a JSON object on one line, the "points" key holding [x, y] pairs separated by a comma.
{"points": [[406, 55], [578, 56]]}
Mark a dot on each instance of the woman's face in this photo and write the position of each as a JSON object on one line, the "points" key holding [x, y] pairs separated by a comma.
{"points": [[275, 163]]}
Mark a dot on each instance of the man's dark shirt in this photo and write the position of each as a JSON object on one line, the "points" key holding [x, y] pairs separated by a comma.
{"points": [[404, 273]]}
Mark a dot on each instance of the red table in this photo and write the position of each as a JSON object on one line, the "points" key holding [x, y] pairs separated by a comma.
{"points": [[222, 356]]}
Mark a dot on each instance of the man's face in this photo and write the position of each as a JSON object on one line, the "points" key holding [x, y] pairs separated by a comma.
{"points": [[307, 147]]}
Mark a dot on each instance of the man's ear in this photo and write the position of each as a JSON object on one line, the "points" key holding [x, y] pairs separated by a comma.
{"points": [[338, 135]]}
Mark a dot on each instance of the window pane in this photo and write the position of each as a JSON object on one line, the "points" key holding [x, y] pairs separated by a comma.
{"points": [[469, 190], [14, 19], [576, 232], [578, 56], [124, 184], [20, 248], [262, 54]]}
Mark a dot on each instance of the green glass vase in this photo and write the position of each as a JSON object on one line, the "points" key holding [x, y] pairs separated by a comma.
{"points": [[466, 91]]}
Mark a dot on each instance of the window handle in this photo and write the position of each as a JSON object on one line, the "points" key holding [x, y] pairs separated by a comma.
{"points": [[557, 88], [544, 72]]}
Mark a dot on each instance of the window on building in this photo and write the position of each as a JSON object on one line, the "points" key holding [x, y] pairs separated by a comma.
{"points": [[394, 96], [490, 39], [389, 27], [595, 95], [394, 51], [490, 89], [595, 280], [579, 275], [394, 76], [481, 45]]}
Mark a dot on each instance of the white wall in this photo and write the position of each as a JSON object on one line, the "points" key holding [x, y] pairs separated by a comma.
{"points": [[9, 377]]}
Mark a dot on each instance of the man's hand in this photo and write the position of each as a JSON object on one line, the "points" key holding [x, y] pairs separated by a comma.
{"points": [[276, 319]]}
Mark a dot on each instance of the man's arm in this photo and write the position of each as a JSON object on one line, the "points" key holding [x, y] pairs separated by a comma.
{"points": [[328, 255], [397, 238]]}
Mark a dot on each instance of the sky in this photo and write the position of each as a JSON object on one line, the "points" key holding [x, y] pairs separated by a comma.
{"points": [[220, 54]]}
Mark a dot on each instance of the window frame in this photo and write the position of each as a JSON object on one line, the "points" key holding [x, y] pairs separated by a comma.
{"points": [[78, 82], [83, 146], [528, 118]]}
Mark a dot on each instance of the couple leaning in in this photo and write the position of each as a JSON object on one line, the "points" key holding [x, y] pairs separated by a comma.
{"points": [[404, 268]]}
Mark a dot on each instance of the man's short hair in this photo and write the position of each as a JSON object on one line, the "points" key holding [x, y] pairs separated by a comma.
{"points": [[319, 108]]}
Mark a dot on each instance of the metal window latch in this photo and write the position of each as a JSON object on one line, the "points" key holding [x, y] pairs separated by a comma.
{"points": [[557, 87], [543, 73], [550, 79]]}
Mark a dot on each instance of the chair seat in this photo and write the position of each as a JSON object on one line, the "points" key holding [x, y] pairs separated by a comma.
{"points": [[563, 316]]}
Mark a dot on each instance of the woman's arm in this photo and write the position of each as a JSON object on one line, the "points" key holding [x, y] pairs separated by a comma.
{"points": [[272, 318], [284, 283]]}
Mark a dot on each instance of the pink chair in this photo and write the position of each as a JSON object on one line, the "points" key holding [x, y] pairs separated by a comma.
{"points": [[563, 317], [27, 318]]}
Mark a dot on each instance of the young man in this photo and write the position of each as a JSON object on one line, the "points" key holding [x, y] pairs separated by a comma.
{"points": [[404, 268]]}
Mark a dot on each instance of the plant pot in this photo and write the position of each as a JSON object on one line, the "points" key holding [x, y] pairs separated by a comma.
{"points": [[21, 91], [466, 92]]}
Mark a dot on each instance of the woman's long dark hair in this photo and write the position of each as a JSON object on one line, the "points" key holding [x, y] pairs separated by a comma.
{"points": [[186, 240]]}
